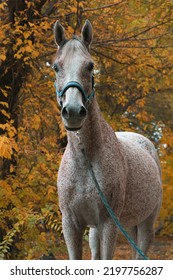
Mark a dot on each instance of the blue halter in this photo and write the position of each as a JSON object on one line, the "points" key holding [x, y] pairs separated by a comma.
{"points": [[77, 85]]}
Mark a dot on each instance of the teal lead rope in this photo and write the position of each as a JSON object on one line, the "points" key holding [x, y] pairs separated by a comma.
{"points": [[113, 216]]}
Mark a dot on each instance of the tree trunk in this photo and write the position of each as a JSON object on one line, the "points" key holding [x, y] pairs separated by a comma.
{"points": [[12, 74]]}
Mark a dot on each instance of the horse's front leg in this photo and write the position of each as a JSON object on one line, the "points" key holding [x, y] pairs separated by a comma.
{"points": [[108, 237], [73, 236], [94, 242]]}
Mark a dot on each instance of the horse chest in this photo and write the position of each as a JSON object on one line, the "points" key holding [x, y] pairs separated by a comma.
{"points": [[77, 189], [78, 196], [75, 176]]}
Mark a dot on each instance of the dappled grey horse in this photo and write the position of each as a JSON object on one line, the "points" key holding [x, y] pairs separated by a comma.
{"points": [[125, 165]]}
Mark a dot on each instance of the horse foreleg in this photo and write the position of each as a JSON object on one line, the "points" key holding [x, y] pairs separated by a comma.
{"points": [[94, 242], [108, 236], [73, 237]]}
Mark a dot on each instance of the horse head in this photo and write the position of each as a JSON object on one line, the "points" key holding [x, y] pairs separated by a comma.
{"points": [[74, 83]]}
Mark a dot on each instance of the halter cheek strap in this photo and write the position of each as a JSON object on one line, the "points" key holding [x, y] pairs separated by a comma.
{"points": [[77, 85]]}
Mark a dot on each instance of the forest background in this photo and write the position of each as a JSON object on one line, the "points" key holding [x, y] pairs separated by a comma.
{"points": [[133, 54]]}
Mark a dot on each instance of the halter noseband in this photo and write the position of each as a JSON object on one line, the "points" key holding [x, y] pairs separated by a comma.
{"points": [[77, 85]]}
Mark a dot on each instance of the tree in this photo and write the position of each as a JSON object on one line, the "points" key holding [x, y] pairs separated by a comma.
{"points": [[29, 133]]}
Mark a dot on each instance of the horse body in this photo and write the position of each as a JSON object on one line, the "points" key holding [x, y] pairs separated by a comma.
{"points": [[127, 174], [126, 167]]}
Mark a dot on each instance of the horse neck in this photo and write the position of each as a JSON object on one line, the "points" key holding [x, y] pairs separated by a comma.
{"points": [[94, 133]]}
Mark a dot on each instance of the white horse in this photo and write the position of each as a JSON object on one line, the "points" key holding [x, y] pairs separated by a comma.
{"points": [[125, 164]]}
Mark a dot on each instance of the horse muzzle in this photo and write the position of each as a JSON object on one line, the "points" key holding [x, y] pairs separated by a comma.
{"points": [[73, 116]]}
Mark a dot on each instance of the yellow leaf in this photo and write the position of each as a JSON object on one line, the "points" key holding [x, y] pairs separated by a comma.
{"points": [[73, 9], [11, 168], [26, 34], [4, 92], [3, 126], [28, 49], [2, 57], [70, 30], [5, 113], [31, 177], [18, 55], [5, 104], [35, 54], [11, 133], [2, 5], [5, 147], [18, 42], [81, 5], [36, 122]]}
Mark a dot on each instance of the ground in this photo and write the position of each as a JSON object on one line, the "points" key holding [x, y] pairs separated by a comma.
{"points": [[162, 249]]}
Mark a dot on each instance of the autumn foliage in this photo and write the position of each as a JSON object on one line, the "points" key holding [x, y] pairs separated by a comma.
{"points": [[132, 49]]}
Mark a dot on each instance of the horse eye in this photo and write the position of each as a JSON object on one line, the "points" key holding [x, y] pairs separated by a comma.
{"points": [[55, 68], [90, 66]]}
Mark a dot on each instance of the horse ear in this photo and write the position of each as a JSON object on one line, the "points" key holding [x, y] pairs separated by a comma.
{"points": [[87, 34], [59, 34]]}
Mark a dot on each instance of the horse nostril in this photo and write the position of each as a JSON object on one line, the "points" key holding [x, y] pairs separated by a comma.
{"points": [[70, 112], [82, 112], [65, 113]]}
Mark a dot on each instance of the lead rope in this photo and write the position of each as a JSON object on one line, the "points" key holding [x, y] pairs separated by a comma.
{"points": [[110, 211]]}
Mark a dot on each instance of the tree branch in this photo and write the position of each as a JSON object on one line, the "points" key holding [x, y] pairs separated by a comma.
{"points": [[104, 7], [51, 7], [134, 36], [109, 57]]}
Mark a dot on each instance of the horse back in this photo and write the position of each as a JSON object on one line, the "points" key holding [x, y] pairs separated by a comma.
{"points": [[143, 142]]}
